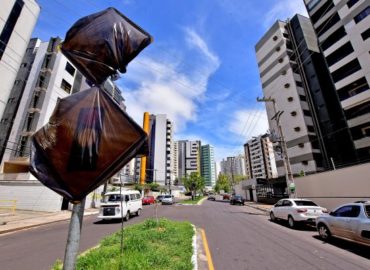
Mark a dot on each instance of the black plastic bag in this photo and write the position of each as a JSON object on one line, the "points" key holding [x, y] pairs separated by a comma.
{"points": [[102, 43]]}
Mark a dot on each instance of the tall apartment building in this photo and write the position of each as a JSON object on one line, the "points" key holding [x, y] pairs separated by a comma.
{"points": [[208, 170], [342, 28], [48, 77], [160, 141], [175, 162], [17, 20], [188, 158], [44, 76], [260, 158], [233, 166], [293, 74]]}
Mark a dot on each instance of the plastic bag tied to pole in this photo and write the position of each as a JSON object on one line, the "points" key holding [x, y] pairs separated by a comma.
{"points": [[103, 43], [88, 139]]}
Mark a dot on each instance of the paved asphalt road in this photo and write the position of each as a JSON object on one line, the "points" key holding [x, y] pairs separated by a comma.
{"points": [[239, 238]]}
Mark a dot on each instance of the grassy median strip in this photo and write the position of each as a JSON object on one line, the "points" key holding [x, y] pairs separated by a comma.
{"points": [[195, 201], [148, 245]]}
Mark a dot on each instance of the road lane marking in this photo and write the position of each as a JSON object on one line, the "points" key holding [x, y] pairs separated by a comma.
{"points": [[206, 249]]}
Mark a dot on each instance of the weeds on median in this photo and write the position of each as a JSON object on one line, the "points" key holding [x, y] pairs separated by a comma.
{"points": [[163, 245]]}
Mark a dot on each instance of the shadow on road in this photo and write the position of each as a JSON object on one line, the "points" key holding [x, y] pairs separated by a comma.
{"points": [[299, 227], [219, 201], [361, 250], [111, 221]]}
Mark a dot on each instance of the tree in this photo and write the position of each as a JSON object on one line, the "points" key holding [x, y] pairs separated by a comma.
{"points": [[194, 182], [223, 183]]}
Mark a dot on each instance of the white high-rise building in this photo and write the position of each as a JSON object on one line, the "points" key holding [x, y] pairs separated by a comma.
{"points": [[343, 32], [175, 161], [51, 76], [160, 144], [17, 20], [188, 158], [260, 158], [233, 166]]}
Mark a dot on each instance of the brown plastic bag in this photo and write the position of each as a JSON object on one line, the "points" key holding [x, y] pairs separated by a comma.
{"points": [[88, 139]]}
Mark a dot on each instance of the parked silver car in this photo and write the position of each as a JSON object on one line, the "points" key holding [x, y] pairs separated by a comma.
{"points": [[349, 221], [295, 211], [168, 199]]}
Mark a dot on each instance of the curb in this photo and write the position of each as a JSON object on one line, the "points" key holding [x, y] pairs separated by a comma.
{"points": [[40, 224], [258, 208]]}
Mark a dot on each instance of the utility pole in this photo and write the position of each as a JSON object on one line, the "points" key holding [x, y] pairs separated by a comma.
{"points": [[284, 149]]}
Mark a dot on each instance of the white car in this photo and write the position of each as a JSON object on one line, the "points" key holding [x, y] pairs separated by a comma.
{"points": [[296, 211], [168, 199], [349, 221], [116, 205]]}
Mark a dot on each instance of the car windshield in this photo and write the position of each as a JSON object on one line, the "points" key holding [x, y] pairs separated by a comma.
{"points": [[367, 210], [167, 196], [305, 203], [237, 196], [113, 198]]}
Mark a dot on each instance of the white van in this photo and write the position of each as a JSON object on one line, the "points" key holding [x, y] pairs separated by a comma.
{"points": [[130, 200]]}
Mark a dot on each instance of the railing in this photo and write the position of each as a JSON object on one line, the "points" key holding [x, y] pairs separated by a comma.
{"points": [[8, 205]]}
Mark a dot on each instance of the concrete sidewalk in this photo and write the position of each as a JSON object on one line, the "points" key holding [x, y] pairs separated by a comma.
{"points": [[260, 206], [22, 219]]}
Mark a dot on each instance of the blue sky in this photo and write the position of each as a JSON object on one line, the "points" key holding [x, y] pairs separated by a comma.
{"points": [[200, 70]]}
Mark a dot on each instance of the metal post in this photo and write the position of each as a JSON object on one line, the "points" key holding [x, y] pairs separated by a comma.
{"points": [[288, 169], [332, 163], [74, 234]]}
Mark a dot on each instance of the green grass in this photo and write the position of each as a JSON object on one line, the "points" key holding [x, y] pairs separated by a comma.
{"points": [[166, 245], [196, 200]]}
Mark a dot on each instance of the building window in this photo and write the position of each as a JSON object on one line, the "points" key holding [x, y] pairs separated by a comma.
{"points": [[23, 65], [293, 113], [310, 129], [339, 54], [297, 129], [306, 113], [281, 60], [66, 86], [290, 99], [346, 70], [353, 89], [366, 131], [326, 25], [365, 35], [70, 69], [333, 38], [274, 38], [305, 162], [277, 49], [351, 3], [283, 72], [302, 98], [299, 84], [362, 15], [301, 145], [286, 85]]}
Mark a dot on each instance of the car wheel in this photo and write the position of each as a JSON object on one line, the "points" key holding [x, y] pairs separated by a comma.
{"points": [[127, 217], [138, 213], [272, 217], [323, 232], [291, 222]]}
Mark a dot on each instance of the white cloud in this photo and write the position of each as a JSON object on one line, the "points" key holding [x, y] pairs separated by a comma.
{"points": [[282, 10], [161, 87], [249, 123]]}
